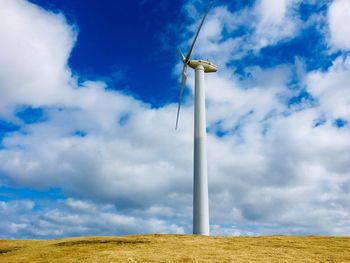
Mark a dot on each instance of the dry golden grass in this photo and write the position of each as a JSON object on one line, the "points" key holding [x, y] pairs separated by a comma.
{"points": [[178, 248]]}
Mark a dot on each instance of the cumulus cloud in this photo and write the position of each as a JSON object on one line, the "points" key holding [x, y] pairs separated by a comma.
{"points": [[272, 168], [339, 19], [276, 21], [34, 51], [22, 219], [264, 24], [332, 88]]}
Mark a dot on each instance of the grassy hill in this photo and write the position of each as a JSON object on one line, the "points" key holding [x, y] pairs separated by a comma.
{"points": [[178, 248]]}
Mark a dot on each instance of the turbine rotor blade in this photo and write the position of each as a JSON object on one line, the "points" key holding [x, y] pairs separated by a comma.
{"points": [[181, 55], [183, 82], [195, 38]]}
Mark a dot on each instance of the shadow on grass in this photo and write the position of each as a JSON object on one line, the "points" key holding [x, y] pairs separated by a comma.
{"points": [[7, 250], [97, 242]]}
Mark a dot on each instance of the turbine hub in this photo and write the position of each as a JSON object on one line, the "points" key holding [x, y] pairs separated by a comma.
{"points": [[208, 66]]}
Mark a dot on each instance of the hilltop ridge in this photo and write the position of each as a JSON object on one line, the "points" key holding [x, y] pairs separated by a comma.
{"points": [[178, 248]]}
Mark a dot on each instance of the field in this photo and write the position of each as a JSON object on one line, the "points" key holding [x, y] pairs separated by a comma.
{"points": [[178, 248]]}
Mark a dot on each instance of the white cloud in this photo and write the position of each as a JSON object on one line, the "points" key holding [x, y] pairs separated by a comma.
{"points": [[276, 21], [332, 88], [265, 24], [339, 20], [67, 218], [272, 13], [34, 49]]}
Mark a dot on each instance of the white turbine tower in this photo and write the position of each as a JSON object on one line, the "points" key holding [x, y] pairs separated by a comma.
{"points": [[200, 176]]}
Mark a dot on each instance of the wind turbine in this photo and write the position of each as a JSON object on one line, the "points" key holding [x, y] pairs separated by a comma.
{"points": [[200, 176]]}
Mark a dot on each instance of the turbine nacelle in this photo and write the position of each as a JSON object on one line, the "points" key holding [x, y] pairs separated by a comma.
{"points": [[208, 66]]}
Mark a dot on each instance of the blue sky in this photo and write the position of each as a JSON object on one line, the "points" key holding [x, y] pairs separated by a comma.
{"points": [[88, 93], [118, 40]]}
